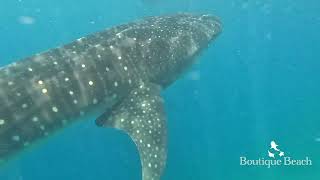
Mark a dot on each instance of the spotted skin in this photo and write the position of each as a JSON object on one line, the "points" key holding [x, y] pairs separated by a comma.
{"points": [[114, 75], [146, 125]]}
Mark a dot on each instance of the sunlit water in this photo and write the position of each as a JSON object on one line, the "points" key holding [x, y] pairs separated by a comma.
{"points": [[257, 83]]}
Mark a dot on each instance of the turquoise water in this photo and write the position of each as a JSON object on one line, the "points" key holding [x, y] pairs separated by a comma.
{"points": [[258, 82]]}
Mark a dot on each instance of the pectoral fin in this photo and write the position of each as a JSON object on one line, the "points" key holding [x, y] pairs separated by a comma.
{"points": [[141, 115]]}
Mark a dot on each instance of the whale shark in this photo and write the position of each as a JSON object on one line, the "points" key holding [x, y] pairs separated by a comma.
{"points": [[115, 75]]}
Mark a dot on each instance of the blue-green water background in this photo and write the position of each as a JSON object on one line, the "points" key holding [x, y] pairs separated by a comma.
{"points": [[258, 82]]}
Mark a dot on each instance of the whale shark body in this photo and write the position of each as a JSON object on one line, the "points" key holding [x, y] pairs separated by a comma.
{"points": [[115, 75]]}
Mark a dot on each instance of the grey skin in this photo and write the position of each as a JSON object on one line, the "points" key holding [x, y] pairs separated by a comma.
{"points": [[114, 76]]}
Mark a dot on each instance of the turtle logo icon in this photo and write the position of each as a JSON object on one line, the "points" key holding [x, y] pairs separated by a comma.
{"points": [[274, 150]]}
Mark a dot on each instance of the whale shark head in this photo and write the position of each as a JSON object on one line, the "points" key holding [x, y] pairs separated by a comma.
{"points": [[175, 42]]}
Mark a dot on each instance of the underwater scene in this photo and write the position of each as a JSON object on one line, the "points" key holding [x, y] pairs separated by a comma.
{"points": [[159, 90]]}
